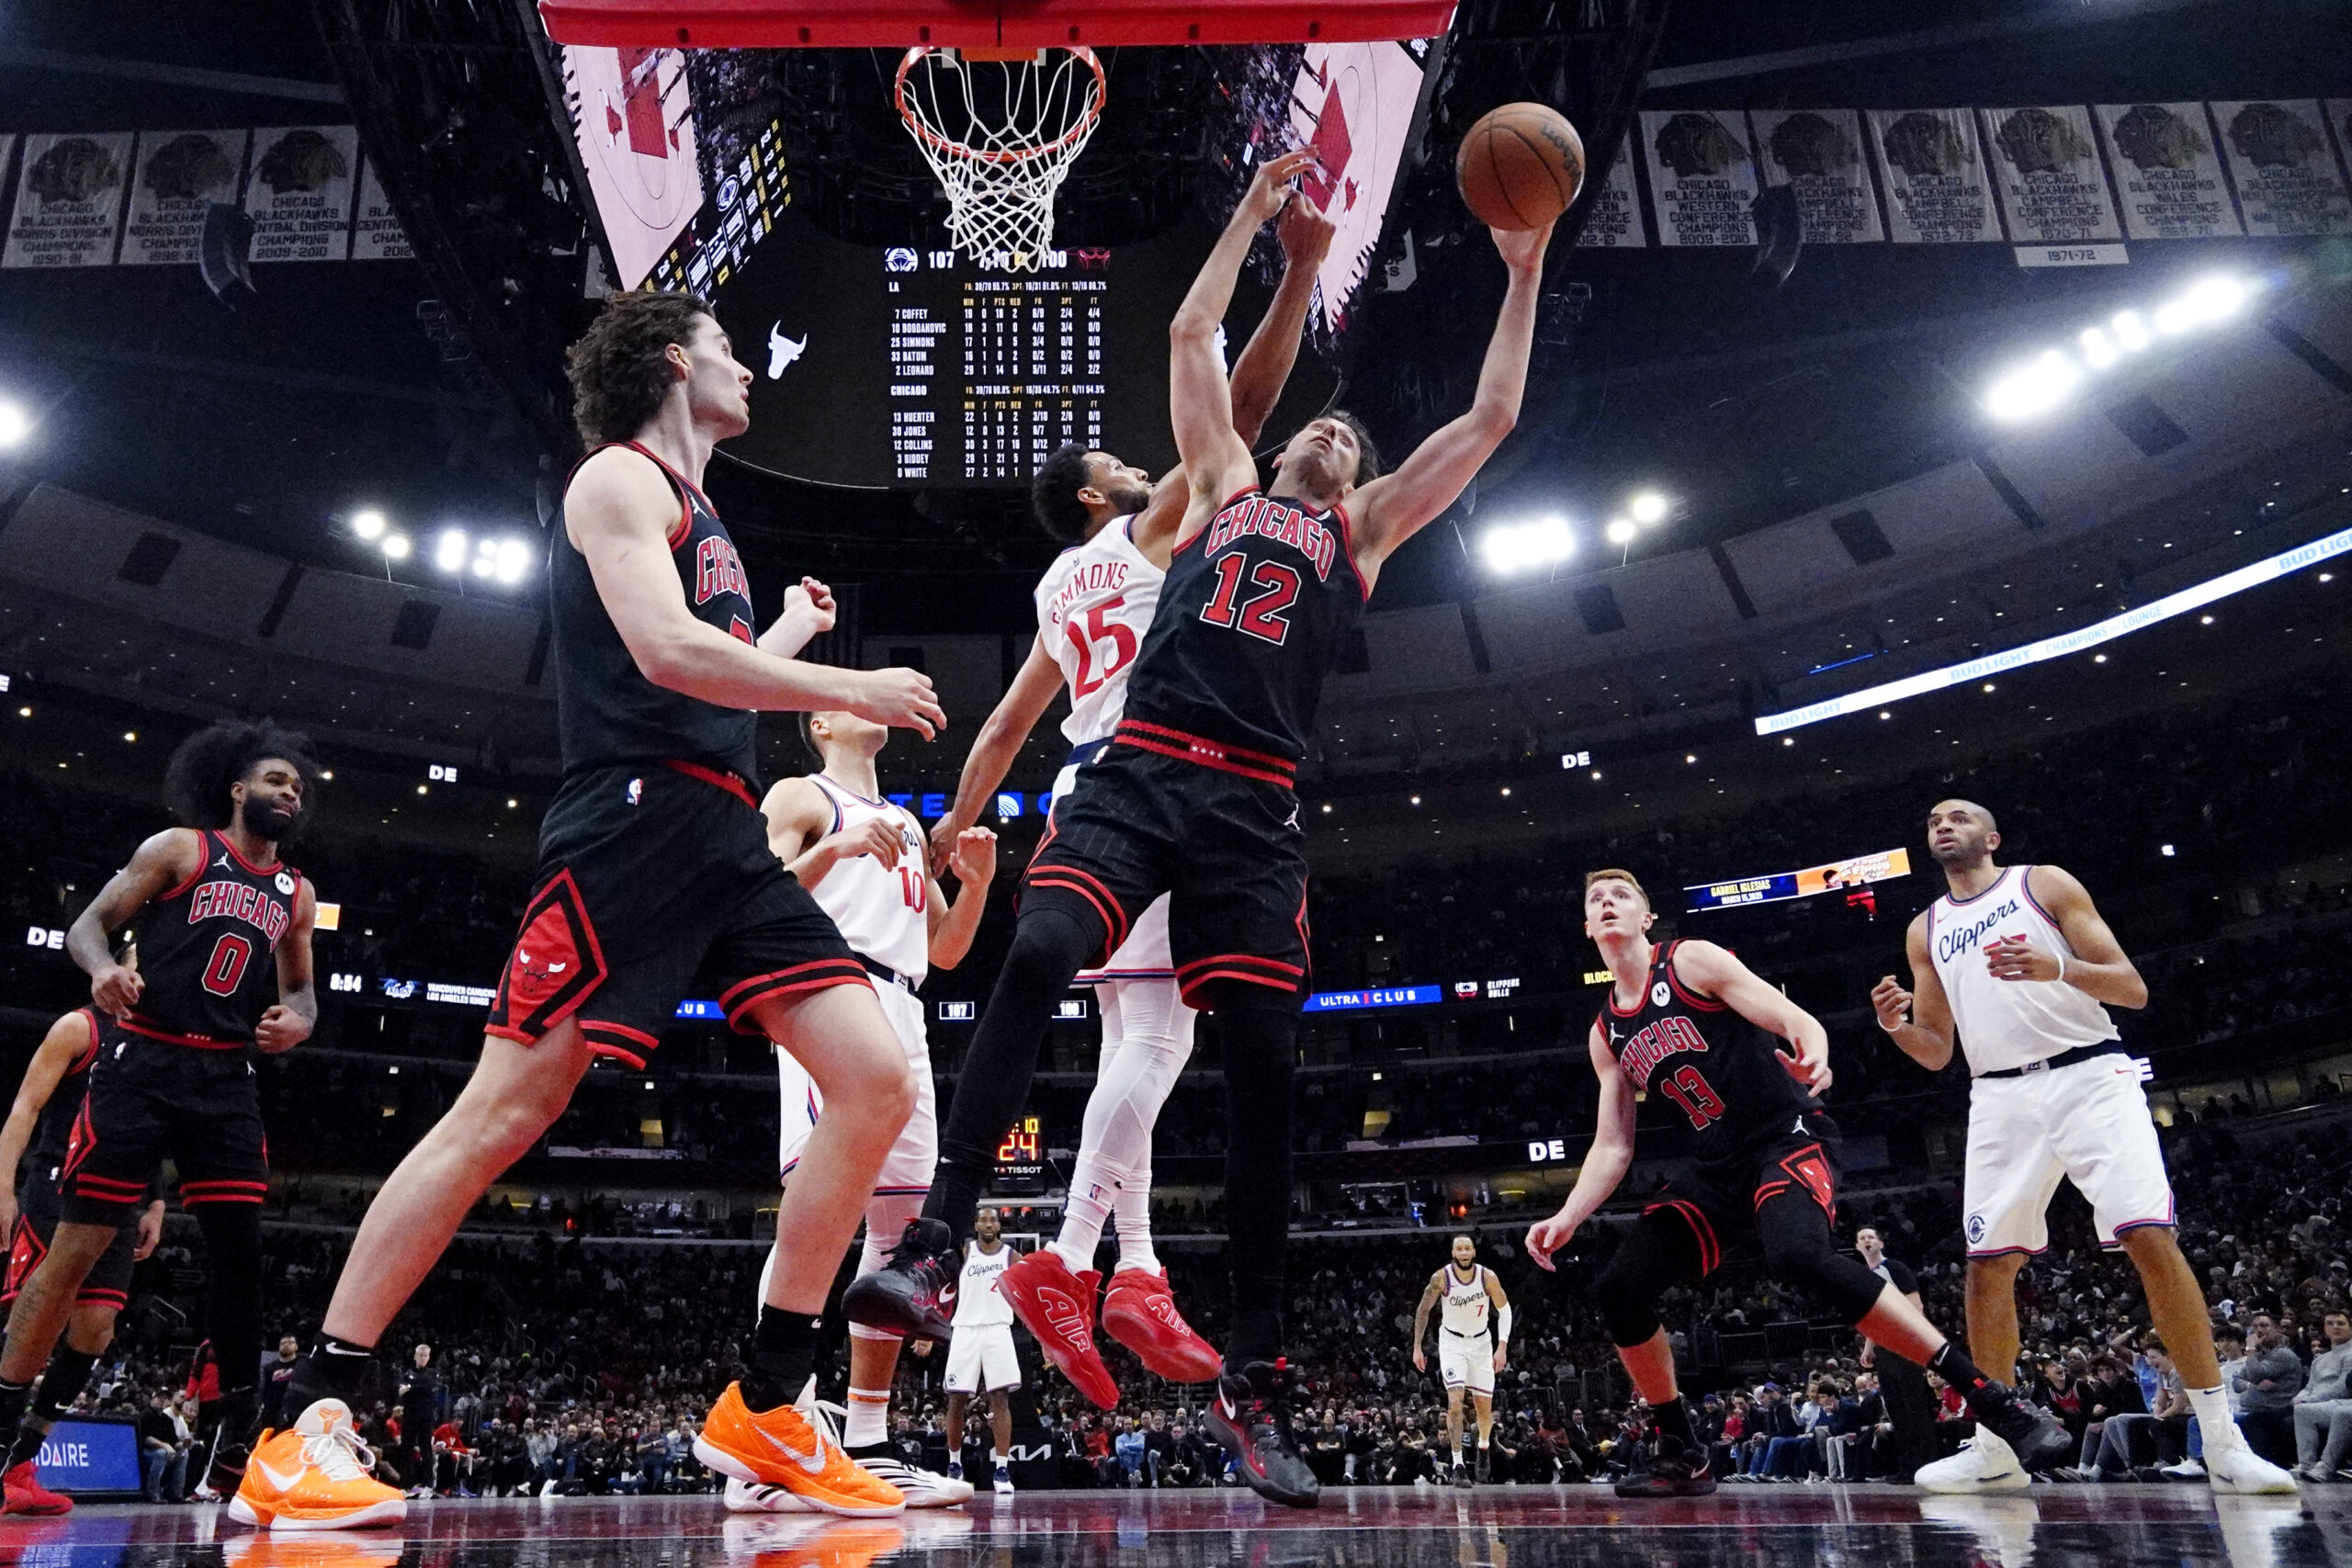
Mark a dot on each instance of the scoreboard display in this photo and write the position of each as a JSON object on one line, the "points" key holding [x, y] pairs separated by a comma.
{"points": [[916, 368], [1020, 1159]]}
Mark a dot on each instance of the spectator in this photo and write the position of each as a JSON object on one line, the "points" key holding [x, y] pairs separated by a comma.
{"points": [[2323, 1407], [2267, 1386]]}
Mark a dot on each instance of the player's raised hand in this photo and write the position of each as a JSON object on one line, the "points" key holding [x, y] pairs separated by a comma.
{"points": [[116, 989], [1892, 1003], [2012, 958], [1272, 188], [812, 602], [973, 857], [1545, 1237], [944, 834], [900, 698], [1305, 234], [280, 1030], [872, 837], [1809, 1065], [1523, 248]]}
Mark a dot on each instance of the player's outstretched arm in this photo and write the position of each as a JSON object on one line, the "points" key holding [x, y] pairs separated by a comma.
{"points": [[1393, 507], [2096, 965], [1605, 1163], [1502, 1305], [808, 612], [163, 861], [1000, 741], [618, 512], [972, 857], [1918, 1020], [1430, 1299], [1200, 404], [67, 1039], [1713, 971], [289, 1022]]}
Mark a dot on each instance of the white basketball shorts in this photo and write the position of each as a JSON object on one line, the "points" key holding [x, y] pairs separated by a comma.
{"points": [[1144, 956], [1466, 1363], [909, 1166], [2087, 1122], [982, 1357]]}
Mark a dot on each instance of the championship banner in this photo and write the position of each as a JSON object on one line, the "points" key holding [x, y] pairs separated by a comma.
{"points": [[1702, 180], [1819, 154], [2047, 170], [2287, 179], [300, 194], [178, 173], [378, 235], [2338, 112], [1938, 189], [2168, 172], [69, 200], [1832, 877], [1613, 209]]}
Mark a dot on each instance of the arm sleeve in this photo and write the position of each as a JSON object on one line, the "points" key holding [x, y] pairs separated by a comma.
{"points": [[1502, 1325]]}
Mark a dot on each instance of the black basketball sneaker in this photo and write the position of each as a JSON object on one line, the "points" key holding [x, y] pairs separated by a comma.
{"points": [[2034, 1435], [1676, 1469], [1250, 1418], [915, 1292]]}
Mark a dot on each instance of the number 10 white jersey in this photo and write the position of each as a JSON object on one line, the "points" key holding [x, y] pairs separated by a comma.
{"points": [[1094, 604], [883, 911]]}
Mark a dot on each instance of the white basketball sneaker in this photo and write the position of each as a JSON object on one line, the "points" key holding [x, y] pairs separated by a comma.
{"points": [[1985, 1463], [924, 1488], [2234, 1466]]}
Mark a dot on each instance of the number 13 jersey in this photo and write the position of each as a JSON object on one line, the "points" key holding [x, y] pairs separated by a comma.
{"points": [[1256, 604], [1094, 604], [1716, 1067]]}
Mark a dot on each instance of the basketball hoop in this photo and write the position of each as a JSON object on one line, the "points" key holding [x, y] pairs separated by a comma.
{"points": [[1000, 131]]}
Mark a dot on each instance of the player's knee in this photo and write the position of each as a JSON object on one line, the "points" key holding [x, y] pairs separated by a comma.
{"points": [[1837, 1280], [91, 1329], [1997, 1273], [1049, 945]]}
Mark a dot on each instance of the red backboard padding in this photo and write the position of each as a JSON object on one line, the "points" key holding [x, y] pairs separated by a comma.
{"points": [[978, 23]]}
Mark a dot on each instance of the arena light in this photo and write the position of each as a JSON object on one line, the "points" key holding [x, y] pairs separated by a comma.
{"points": [[16, 424], [1648, 507], [2034, 389], [369, 523], [1621, 531], [449, 550], [396, 547], [2132, 330], [2066, 644], [514, 561], [2049, 382], [1509, 548]]}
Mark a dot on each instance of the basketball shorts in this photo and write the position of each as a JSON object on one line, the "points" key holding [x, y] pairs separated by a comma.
{"points": [[149, 1101], [1144, 956], [2087, 1122], [651, 875], [108, 1282], [1466, 1360], [907, 1168], [1225, 849], [982, 1357], [1719, 1204]]}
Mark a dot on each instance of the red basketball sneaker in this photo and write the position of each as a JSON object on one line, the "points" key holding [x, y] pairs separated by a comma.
{"points": [[1138, 1312], [25, 1495], [1058, 1307]]}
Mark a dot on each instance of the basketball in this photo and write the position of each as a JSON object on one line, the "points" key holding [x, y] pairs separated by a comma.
{"points": [[1519, 166]]}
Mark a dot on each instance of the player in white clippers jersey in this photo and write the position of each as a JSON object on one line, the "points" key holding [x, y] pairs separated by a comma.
{"points": [[1094, 604], [864, 860], [981, 1356], [1473, 1342], [2017, 962]]}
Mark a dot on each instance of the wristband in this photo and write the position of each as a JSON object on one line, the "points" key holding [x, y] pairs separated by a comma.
{"points": [[2062, 970]]}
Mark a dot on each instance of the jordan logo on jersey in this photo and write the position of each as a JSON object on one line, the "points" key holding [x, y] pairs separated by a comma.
{"points": [[1279, 521], [1664, 1037], [718, 570]]}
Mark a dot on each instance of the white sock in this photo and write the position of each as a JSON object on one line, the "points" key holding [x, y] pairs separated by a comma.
{"points": [[2212, 1407], [868, 1422], [1003, 1462], [1092, 1190], [1133, 1208]]}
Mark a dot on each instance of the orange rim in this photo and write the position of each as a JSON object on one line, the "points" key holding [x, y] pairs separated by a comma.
{"points": [[947, 145]]}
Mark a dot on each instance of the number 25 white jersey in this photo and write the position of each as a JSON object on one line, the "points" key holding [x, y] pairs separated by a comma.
{"points": [[1094, 604]]}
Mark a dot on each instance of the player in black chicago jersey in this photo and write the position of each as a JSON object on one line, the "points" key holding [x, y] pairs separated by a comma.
{"points": [[1195, 798], [654, 866], [39, 1126], [1687, 1022], [224, 967]]}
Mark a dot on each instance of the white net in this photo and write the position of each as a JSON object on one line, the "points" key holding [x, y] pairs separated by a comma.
{"points": [[1001, 136]]}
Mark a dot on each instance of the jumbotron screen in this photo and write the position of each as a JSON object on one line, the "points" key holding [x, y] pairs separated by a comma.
{"points": [[1773, 886]]}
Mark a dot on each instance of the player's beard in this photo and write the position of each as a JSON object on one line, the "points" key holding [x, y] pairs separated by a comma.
{"points": [[265, 819], [1130, 499]]}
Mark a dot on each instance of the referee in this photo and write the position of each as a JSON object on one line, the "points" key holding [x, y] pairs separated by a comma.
{"points": [[1910, 1407]]}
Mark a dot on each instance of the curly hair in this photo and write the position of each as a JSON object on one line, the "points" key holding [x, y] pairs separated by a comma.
{"points": [[618, 369], [197, 782], [1053, 494]]}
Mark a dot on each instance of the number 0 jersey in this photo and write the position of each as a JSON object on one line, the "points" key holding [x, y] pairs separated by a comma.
{"points": [[206, 947], [883, 911], [1095, 608], [1716, 1067], [1253, 610]]}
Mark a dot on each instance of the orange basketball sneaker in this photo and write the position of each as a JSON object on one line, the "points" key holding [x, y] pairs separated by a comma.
{"points": [[315, 1476], [792, 1447]]}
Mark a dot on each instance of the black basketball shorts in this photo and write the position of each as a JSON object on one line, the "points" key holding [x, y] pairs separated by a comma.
{"points": [[151, 1100], [651, 874], [1721, 1205], [1225, 846], [38, 1206]]}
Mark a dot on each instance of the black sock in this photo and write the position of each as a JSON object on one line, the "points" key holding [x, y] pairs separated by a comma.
{"points": [[782, 1354], [1048, 947], [12, 1399], [1260, 1050], [68, 1374], [25, 1446], [336, 1369], [1672, 1419], [1951, 1364]]}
